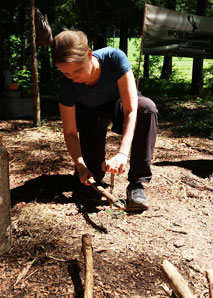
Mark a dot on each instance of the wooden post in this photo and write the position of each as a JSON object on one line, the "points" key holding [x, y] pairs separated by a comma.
{"points": [[209, 275], [87, 251], [35, 76], [176, 281], [5, 204]]}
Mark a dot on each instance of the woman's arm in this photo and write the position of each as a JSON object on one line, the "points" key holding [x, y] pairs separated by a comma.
{"points": [[129, 98], [68, 117]]}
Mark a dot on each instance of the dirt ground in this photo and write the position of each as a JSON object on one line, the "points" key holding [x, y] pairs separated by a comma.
{"points": [[50, 213]]}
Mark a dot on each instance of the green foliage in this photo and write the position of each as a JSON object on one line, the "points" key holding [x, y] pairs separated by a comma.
{"points": [[23, 78], [184, 114]]}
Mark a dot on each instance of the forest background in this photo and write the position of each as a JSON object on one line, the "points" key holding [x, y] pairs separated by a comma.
{"points": [[115, 23]]}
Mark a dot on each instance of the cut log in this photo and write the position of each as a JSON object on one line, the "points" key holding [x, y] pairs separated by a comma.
{"points": [[87, 251], [5, 203], [209, 275], [176, 280]]}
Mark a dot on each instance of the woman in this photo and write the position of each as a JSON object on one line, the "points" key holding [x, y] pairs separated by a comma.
{"points": [[98, 88]]}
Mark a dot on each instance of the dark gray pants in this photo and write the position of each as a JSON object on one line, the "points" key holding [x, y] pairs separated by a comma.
{"points": [[92, 126]]}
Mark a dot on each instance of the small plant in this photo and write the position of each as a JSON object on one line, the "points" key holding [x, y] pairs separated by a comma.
{"points": [[42, 123]]}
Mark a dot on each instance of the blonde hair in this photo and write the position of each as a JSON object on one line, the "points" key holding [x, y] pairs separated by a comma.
{"points": [[70, 46]]}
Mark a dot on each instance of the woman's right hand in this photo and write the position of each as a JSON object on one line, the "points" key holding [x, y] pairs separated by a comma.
{"points": [[84, 174]]}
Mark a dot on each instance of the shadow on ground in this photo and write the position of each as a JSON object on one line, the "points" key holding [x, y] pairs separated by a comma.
{"points": [[202, 167], [60, 189]]}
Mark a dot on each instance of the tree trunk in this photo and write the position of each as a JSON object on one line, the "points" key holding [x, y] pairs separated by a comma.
{"points": [[36, 93], [167, 67], [146, 67], [5, 223], [123, 34], [197, 76], [167, 62], [2, 63], [197, 70]]}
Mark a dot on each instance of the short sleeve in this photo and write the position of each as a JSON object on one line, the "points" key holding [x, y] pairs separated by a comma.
{"points": [[120, 64], [67, 93]]}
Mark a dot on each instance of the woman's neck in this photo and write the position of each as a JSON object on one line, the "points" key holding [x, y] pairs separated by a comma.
{"points": [[95, 73]]}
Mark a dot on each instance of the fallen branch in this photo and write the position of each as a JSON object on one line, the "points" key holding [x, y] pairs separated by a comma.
{"points": [[177, 231], [209, 275], [87, 251], [176, 281], [56, 259]]}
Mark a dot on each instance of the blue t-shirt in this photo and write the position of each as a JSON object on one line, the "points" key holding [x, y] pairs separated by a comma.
{"points": [[114, 63]]}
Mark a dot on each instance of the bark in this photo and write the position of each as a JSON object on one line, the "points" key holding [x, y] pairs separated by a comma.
{"points": [[2, 63], [197, 76], [36, 92], [5, 203], [167, 67], [176, 280], [87, 250], [209, 275], [167, 62], [146, 67]]}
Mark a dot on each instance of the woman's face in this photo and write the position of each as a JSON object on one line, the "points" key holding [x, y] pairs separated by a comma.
{"points": [[77, 72]]}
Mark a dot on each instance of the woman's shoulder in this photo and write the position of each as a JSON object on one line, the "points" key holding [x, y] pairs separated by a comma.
{"points": [[108, 54]]}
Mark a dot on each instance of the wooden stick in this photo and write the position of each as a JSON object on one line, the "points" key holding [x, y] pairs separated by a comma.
{"points": [[5, 203], [176, 280], [103, 192], [209, 275], [87, 251]]}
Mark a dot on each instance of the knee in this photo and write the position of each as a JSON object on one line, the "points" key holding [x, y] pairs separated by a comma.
{"points": [[146, 105]]}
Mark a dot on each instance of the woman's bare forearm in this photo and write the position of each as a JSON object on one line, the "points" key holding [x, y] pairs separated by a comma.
{"points": [[74, 148], [128, 133]]}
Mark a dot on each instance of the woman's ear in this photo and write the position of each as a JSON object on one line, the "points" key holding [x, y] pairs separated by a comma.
{"points": [[90, 54]]}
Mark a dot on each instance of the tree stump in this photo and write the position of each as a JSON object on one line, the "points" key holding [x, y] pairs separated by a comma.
{"points": [[5, 203]]}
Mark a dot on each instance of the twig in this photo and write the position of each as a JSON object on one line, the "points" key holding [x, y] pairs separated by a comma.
{"points": [[177, 231], [30, 274], [24, 271], [56, 259]]}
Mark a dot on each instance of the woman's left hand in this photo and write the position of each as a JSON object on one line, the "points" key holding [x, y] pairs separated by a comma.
{"points": [[116, 165]]}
